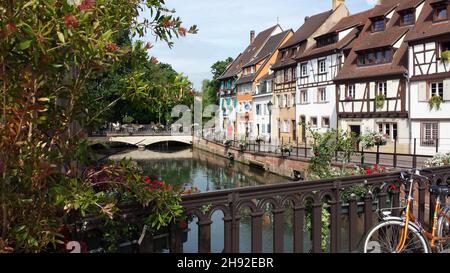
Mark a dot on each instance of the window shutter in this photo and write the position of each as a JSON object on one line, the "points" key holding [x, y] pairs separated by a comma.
{"points": [[423, 90], [447, 90]]}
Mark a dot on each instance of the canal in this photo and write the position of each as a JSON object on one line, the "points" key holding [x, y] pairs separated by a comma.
{"points": [[184, 166]]}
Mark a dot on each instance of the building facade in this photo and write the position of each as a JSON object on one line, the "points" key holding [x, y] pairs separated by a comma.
{"points": [[371, 88], [318, 66], [286, 72], [429, 70]]}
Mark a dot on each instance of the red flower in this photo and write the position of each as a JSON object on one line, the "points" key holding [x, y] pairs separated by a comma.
{"points": [[182, 31], [153, 60], [11, 26], [393, 187], [167, 22], [112, 46], [368, 171], [87, 5], [70, 20], [147, 180]]}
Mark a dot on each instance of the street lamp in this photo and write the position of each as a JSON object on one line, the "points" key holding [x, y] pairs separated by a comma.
{"points": [[269, 107]]}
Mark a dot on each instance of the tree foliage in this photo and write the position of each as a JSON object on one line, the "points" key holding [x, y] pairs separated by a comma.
{"points": [[210, 88], [49, 50]]}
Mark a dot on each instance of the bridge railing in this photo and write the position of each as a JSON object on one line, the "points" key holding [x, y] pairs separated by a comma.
{"points": [[139, 130], [303, 205], [360, 157]]}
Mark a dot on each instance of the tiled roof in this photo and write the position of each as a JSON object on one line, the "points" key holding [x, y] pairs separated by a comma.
{"points": [[355, 21], [369, 40], [425, 28], [248, 53], [409, 5], [308, 28], [269, 48]]}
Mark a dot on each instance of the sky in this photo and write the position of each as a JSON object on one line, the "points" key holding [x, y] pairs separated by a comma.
{"points": [[224, 29]]}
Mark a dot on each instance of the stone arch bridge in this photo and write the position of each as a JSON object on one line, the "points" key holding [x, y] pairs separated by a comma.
{"points": [[142, 140]]}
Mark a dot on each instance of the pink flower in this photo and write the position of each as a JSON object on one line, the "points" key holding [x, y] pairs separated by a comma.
{"points": [[182, 31], [87, 5], [70, 20]]}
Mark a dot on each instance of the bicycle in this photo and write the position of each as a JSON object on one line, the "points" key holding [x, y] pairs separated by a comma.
{"points": [[405, 234]]}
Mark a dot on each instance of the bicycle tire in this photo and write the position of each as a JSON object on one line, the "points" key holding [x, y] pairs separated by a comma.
{"points": [[443, 230], [416, 242]]}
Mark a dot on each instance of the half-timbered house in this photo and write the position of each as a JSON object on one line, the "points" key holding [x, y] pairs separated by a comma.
{"points": [[429, 68], [285, 69], [318, 66], [371, 88]]}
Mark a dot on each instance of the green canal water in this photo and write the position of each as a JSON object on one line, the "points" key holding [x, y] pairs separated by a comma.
{"points": [[185, 166]]}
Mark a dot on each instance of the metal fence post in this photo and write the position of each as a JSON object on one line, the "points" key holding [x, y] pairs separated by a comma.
{"points": [[415, 154], [378, 153], [437, 145], [395, 153]]}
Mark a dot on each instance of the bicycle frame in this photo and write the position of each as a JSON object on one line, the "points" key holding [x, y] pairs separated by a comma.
{"points": [[411, 219]]}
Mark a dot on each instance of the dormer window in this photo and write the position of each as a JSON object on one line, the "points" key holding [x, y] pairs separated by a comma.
{"points": [[327, 40], [283, 55], [440, 13], [440, 10], [375, 56], [408, 17], [378, 24]]}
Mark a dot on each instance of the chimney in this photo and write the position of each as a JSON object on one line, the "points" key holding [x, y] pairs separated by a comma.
{"points": [[337, 3], [252, 36], [306, 18]]}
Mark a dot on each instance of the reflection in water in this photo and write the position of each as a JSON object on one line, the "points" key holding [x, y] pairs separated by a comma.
{"points": [[205, 171]]}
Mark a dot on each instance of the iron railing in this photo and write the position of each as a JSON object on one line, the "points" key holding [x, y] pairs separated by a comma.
{"points": [[360, 157], [302, 198]]}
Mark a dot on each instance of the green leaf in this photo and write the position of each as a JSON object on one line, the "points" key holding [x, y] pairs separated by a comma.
{"points": [[61, 37], [24, 45]]}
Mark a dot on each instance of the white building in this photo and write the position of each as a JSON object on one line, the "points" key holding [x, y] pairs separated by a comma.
{"points": [[372, 87], [430, 76], [261, 99], [317, 67]]}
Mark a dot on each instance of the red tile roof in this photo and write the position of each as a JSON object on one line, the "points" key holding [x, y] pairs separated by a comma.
{"points": [[425, 27], [369, 40], [246, 56], [355, 21]]}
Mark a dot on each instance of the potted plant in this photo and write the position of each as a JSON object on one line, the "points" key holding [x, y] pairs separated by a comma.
{"points": [[259, 139], [242, 145], [286, 148], [435, 101], [379, 101], [373, 138], [227, 142], [445, 55]]}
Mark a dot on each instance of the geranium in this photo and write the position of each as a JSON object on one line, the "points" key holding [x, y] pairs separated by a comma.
{"points": [[87, 5], [70, 20], [11, 26], [112, 46]]}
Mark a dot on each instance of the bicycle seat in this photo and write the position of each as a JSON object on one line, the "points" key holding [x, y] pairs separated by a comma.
{"points": [[440, 190]]}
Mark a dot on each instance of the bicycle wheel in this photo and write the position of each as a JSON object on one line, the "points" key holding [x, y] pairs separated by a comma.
{"points": [[443, 230], [384, 238]]}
